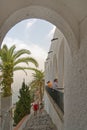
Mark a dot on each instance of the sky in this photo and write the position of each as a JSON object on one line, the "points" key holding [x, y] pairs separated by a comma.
{"points": [[32, 34]]}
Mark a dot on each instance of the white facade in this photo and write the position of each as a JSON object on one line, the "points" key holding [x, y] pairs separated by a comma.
{"points": [[69, 62], [54, 65]]}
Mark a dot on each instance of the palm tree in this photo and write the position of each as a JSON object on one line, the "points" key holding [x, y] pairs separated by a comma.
{"points": [[38, 82], [10, 62]]}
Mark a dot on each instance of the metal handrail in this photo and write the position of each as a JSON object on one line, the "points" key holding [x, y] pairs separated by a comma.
{"points": [[57, 96]]}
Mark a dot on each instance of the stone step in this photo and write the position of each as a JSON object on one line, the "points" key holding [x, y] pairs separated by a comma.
{"points": [[41, 127], [41, 121]]}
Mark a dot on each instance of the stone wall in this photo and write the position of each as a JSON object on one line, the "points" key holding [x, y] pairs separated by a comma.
{"points": [[71, 70], [76, 86]]}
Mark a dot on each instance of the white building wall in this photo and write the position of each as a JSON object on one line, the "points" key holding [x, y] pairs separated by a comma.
{"points": [[54, 57]]}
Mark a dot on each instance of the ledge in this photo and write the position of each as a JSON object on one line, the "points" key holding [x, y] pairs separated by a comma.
{"points": [[57, 109]]}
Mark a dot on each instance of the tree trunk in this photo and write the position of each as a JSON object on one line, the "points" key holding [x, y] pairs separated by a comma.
{"points": [[40, 94]]}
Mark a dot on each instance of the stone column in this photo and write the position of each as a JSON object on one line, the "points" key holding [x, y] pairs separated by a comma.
{"points": [[75, 102], [0, 110], [6, 104]]}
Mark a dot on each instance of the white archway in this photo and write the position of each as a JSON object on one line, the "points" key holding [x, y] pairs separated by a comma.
{"points": [[55, 13], [61, 63], [45, 13], [55, 67]]}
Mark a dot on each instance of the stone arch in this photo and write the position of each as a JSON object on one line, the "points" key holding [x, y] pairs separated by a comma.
{"points": [[67, 64], [46, 13], [61, 64], [55, 67], [46, 72], [64, 61], [51, 71]]}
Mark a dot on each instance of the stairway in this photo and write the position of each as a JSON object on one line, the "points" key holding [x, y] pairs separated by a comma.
{"points": [[41, 121]]}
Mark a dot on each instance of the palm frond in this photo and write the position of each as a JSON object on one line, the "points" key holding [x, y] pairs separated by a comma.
{"points": [[10, 60], [21, 52], [11, 50], [19, 68], [26, 60]]}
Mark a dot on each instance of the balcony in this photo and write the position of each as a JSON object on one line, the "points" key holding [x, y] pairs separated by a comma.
{"points": [[57, 96]]}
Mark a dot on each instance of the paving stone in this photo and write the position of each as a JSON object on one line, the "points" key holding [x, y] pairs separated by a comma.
{"points": [[41, 121]]}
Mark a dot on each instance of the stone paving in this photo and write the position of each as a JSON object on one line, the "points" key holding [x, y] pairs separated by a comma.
{"points": [[41, 121]]}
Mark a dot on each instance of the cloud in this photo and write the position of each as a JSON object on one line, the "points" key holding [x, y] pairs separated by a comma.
{"points": [[39, 54], [36, 51], [50, 34], [30, 23], [28, 27]]}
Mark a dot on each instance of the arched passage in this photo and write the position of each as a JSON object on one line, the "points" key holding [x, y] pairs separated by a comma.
{"points": [[42, 12], [61, 64], [51, 71], [53, 12], [55, 67]]}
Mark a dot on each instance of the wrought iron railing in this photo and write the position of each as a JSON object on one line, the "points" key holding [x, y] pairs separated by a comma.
{"points": [[57, 96]]}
